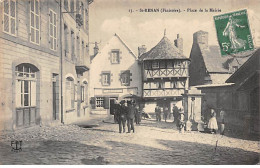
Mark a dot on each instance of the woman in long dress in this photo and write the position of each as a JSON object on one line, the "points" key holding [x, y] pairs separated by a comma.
{"points": [[213, 125]]}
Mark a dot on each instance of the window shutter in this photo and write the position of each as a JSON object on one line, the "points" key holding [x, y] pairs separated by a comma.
{"points": [[33, 93], [93, 102], [18, 85], [106, 102], [109, 78]]}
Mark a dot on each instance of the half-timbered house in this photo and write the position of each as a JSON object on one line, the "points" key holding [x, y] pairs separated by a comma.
{"points": [[165, 74]]}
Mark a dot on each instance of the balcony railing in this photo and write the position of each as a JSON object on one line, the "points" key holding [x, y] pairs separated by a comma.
{"points": [[162, 73], [163, 92]]}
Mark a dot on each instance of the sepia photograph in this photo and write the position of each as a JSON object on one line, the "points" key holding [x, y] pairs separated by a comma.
{"points": [[129, 82]]}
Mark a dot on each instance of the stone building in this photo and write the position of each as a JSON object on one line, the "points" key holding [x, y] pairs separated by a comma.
{"points": [[165, 75], [207, 65], [44, 62], [114, 73]]}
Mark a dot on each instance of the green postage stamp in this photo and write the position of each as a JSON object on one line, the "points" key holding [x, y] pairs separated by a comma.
{"points": [[233, 32]]}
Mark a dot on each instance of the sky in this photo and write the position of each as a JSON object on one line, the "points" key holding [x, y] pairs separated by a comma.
{"points": [[108, 17]]}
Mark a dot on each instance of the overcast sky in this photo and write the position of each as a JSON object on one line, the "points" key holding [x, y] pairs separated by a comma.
{"points": [[108, 17]]}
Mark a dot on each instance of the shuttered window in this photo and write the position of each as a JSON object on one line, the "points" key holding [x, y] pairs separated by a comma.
{"points": [[82, 53], [66, 45], [66, 5], [99, 102], [72, 37], [35, 21], [53, 30], [9, 22], [70, 93], [125, 78], [72, 6]]}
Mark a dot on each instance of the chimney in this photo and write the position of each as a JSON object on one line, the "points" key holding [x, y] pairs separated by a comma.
{"points": [[96, 49], [201, 38], [179, 43], [141, 50]]}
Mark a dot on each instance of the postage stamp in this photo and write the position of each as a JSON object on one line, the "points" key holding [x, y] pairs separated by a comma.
{"points": [[233, 32]]}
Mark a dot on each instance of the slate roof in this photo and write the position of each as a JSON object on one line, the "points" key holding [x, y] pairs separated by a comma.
{"points": [[215, 62], [163, 50]]}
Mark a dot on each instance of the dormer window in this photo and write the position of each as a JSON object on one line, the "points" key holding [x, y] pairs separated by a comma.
{"points": [[234, 68], [115, 57]]}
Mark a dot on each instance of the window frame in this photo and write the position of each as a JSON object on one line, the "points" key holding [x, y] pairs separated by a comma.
{"points": [[31, 27], [70, 94], [157, 66], [9, 18], [125, 78], [100, 102], [53, 25], [106, 81], [115, 54], [24, 76]]}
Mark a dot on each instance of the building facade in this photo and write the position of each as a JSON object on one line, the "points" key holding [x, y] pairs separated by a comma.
{"points": [[114, 73], [165, 74], [207, 65], [41, 55]]}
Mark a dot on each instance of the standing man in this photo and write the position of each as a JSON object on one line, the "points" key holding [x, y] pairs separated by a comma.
{"points": [[158, 113], [130, 117], [122, 116], [175, 113], [165, 112]]}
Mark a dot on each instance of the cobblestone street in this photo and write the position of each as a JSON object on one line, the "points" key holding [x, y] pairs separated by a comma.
{"points": [[152, 143]]}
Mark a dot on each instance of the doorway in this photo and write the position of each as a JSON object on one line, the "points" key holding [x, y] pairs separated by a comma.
{"points": [[55, 96]]}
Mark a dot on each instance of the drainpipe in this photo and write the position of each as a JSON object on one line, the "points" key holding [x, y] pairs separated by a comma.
{"points": [[61, 64]]}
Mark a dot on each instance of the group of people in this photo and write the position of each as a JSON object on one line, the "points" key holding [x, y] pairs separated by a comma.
{"points": [[178, 115], [127, 112], [166, 113]]}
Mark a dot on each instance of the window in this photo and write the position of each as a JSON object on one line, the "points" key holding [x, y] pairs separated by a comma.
{"points": [[82, 12], [155, 64], [86, 19], [66, 45], [125, 78], [160, 85], [78, 48], [115, 57], [72, 6], [82, 94], [99, 102], [72, 45], [105, 79], [9, 17], [66, 5], [235, 68], [82, 52], [35, 22], [53, 30], [174, 84], [70, 93], [25, 85]]}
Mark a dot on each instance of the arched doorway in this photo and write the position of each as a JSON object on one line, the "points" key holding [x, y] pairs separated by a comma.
{"points": [[26, 89]]}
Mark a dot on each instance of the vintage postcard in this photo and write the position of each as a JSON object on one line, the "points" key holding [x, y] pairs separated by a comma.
{"points": [[129, 82]]}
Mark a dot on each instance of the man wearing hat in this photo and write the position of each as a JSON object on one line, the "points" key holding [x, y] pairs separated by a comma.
{"points": [[122, 116], [130, 117]]}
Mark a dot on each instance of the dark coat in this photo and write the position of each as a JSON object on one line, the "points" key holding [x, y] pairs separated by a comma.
{"points": [[123, 111], [131, 112]]}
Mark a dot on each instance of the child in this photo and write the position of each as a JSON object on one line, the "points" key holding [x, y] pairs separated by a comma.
{"points": [[213, 125]]}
